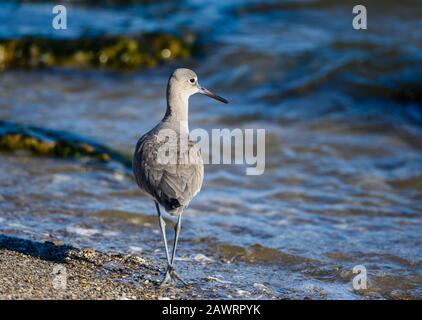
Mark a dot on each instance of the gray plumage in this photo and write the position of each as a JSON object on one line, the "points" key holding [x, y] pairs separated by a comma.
{"points": [[172, 184]]}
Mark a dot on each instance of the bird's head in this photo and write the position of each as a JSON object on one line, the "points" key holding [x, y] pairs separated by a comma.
{"points": [[185, 82]]}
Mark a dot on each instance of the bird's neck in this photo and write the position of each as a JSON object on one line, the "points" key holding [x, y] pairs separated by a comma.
{"points": [[177, 110]]}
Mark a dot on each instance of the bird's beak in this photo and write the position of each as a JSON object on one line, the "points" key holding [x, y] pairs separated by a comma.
{"points": [[212, 95]]}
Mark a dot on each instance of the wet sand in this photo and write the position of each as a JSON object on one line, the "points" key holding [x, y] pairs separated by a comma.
{"points": [[29, 270]]}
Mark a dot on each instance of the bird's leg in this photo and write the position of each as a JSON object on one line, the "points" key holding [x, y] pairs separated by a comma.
{"points": [[172, 272], [177, 228], [162, 224]]}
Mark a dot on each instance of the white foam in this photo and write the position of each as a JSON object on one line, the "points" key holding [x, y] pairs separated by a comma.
{"points": [[82, 231], [202, 258]]}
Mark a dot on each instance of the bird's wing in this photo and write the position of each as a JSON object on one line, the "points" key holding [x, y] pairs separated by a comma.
{"points": [[172, 182]]}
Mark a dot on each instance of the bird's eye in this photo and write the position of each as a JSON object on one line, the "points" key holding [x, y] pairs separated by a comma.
{"points": [[192, 80]]}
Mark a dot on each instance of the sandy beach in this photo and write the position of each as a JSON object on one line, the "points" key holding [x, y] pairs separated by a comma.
{"points": [[31, 270]]}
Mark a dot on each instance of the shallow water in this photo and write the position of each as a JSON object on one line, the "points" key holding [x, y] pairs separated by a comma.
{"points": [[343, 116]]}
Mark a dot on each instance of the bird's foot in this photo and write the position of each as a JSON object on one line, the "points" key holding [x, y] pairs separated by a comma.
{"points": [[171, 278]]}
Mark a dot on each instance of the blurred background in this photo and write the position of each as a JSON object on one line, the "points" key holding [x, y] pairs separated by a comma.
{"points": [[342, 111]]}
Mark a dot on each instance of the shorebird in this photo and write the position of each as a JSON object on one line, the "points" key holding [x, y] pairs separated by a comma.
{"points": [[172, 184]]}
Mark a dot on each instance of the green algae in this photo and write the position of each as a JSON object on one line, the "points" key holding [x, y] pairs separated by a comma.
{"points": [[117, 52], [54, 143]]}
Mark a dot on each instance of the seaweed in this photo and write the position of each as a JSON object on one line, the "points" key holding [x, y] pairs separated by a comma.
{"points": [[55, 143], [113, 52]]}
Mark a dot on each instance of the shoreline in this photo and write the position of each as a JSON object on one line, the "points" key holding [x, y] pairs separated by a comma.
{"points": [[53, 270]]}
